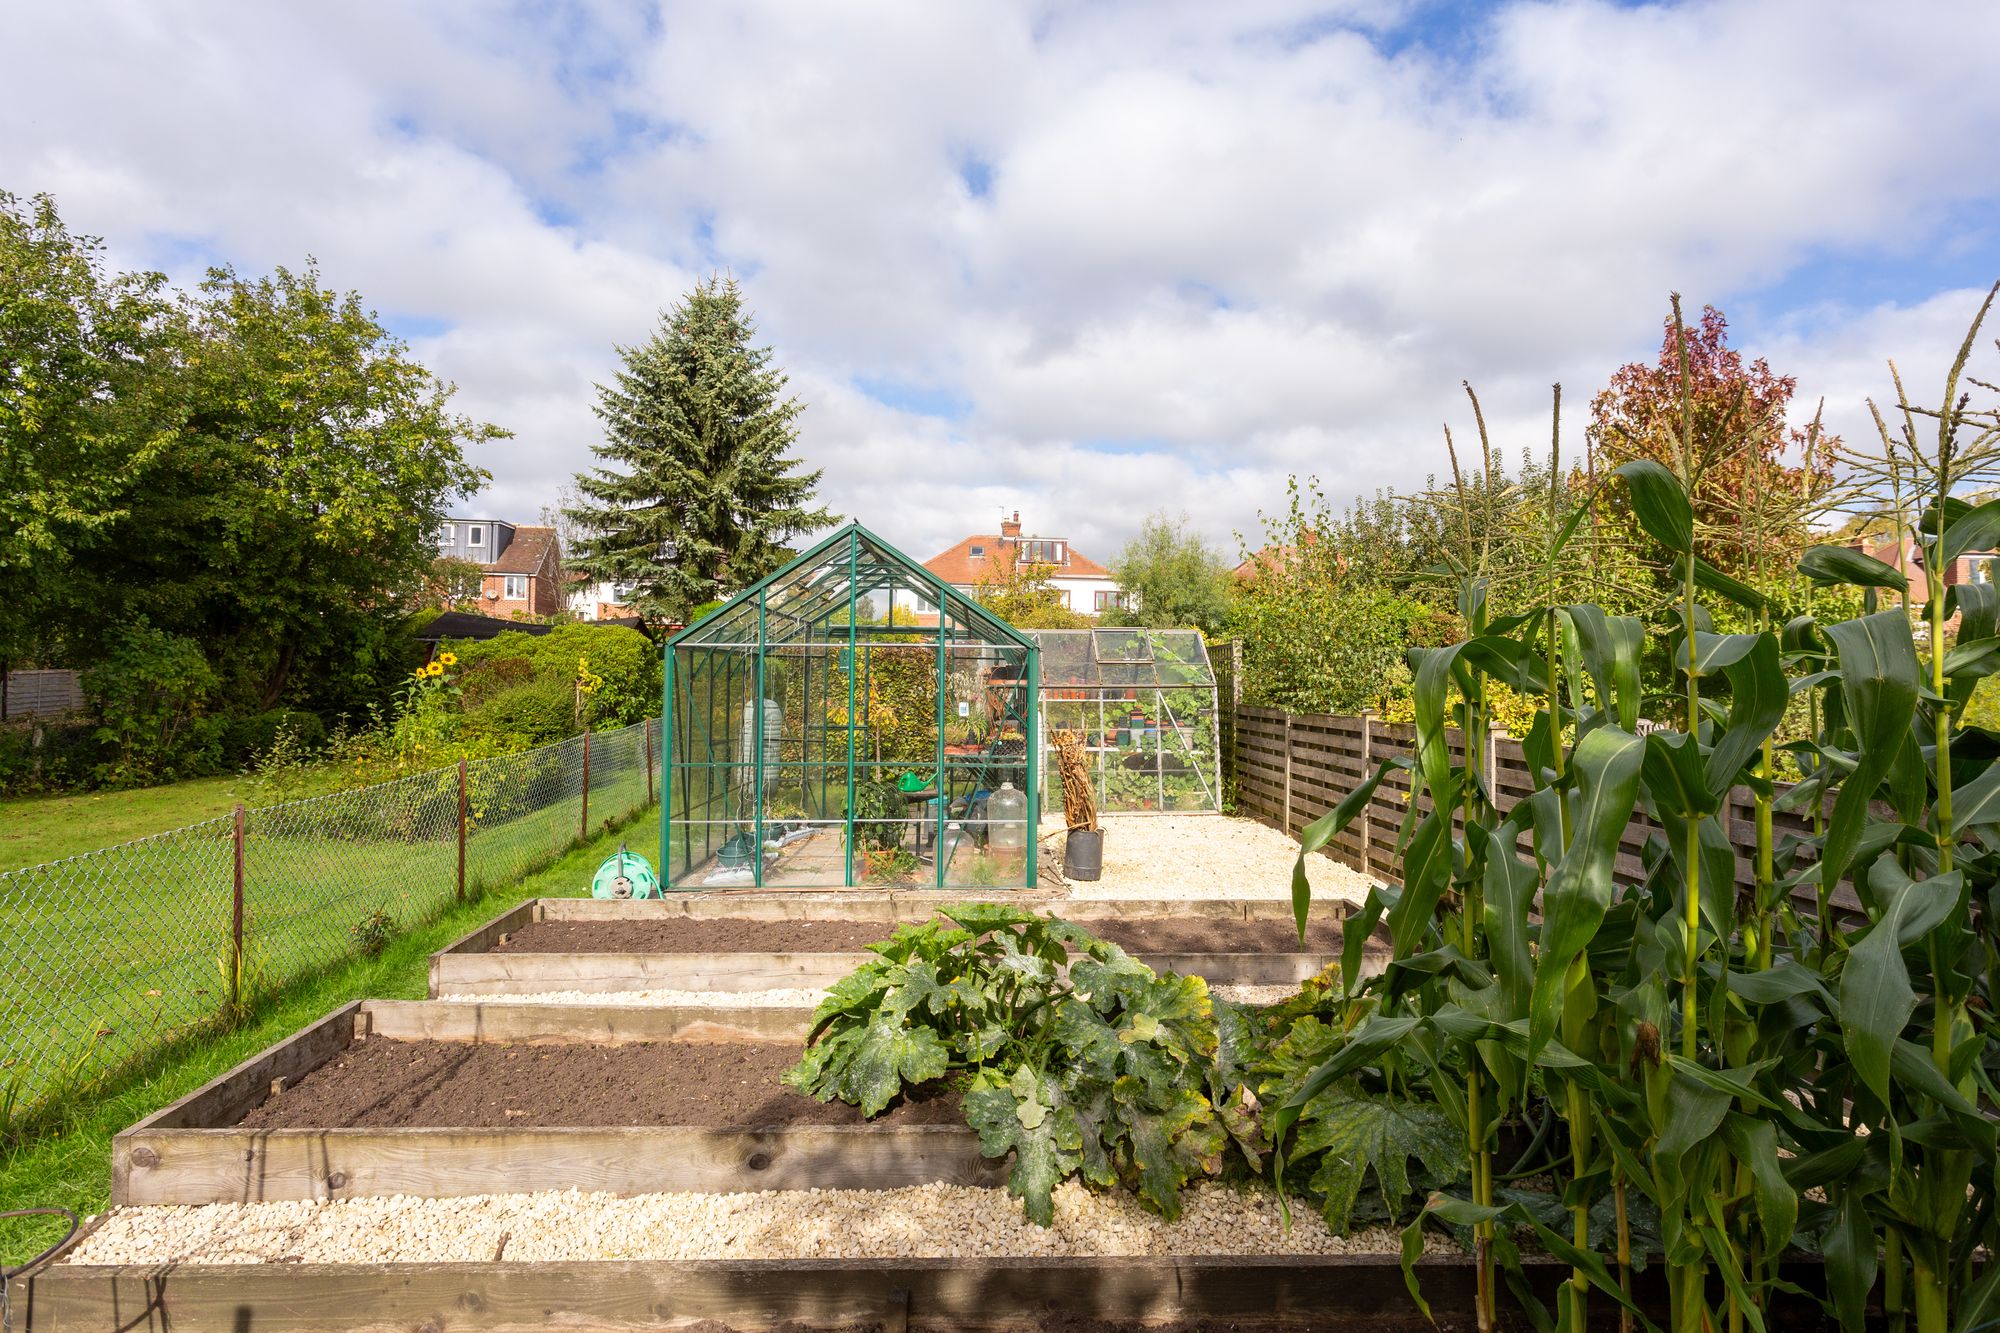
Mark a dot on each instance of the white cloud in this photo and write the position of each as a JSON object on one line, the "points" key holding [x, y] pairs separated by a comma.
{"points": [[1161, 253]]}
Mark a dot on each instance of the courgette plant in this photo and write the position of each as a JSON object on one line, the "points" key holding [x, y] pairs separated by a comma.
{"points": [[1806, 1065]]}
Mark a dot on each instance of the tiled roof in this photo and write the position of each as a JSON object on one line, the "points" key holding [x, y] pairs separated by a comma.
{"points": [[956, 565], [528, 553]]}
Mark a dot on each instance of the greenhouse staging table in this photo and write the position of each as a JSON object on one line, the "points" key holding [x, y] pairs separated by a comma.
{"points": [[1239, 942]]}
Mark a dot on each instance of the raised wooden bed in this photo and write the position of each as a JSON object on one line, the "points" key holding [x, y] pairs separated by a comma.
{"points": [[195, 1151], [470, 967], [1247, 1293]]}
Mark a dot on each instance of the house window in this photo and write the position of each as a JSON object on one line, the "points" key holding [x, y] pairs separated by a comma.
{"points": [[475, 536], [1042, 553], [1110, 601], [516, 588], [445, 535], [976, 553]]}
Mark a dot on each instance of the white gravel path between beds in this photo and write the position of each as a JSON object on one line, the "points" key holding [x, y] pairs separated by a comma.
{"points": [[765, 999], [926, 1221], [1199, 856]]}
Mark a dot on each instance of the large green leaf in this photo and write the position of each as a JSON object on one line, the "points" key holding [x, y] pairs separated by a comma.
{"points": [[882, 1056], [1426, 875], [1607, 764], [1710, 578], [1757, 698], [1978, 801], [1020, 1116], [1611, 648], [1876, 999], [1850, 1247], [1170, 1135], [1755, 1144], [1659, 503], [1363, 1132], [1323, 830], [1878, 686], [1844, 564], [1428, 695], [1976, 530]]}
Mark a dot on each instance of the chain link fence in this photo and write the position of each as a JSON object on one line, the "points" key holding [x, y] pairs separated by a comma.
{"points": [[107, 957]]}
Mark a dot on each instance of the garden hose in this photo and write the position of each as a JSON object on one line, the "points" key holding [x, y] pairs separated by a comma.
{"points": [[7, 1275]]}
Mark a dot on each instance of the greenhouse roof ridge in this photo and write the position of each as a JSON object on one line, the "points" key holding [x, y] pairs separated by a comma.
{"points": [[941, 592]]}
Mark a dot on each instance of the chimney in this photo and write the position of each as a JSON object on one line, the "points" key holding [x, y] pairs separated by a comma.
{"points": [[1011, 527]]}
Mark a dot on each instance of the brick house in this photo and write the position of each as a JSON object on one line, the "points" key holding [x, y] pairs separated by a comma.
{"points": [[520, 565], [1084, 585], [1907, 559]]}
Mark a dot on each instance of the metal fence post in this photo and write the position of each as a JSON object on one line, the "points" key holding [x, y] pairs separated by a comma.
{"points": [[461, 830], [236, 917], [649, 760], [583, 825]]}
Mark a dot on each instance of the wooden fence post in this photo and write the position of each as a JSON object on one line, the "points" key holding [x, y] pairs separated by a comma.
{"points": [[462, 810], [1286, 822], [649, 761], [236, 919], [1367, 767], [583, 825]]}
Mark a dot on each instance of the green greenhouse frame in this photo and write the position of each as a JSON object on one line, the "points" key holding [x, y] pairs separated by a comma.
{"points": [[850, 720]]}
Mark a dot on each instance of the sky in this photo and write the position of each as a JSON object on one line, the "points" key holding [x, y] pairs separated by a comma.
{"points": [[1088, 261]]}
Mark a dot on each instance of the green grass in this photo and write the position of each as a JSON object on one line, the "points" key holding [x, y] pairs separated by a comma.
{"points": [[68, 1164], [34, 829]]}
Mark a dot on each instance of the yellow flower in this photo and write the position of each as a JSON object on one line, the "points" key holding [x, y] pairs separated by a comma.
{"points": [[434, 669], [449, 659], [421, 672]]}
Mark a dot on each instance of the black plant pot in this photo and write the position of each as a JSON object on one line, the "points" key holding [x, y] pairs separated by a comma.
{"points": [[1083, 854]]}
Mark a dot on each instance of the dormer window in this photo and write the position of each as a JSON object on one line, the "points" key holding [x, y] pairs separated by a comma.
{"points": [[1043, 553], [475, 536], [977, 553]]}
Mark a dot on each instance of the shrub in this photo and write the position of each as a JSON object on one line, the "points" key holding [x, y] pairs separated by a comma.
{"points": [[625, 658], [149, 691], [536, 712], [247, 738]]}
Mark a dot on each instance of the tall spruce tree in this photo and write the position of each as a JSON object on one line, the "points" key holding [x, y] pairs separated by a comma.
{"points": [[696, 434]]}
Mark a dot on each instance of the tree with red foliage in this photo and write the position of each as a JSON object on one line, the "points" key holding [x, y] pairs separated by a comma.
{"points": [[1757, 482]]}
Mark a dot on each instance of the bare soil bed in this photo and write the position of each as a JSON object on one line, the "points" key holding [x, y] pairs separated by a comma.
{"points": [[729, 935], [463, 1085]]}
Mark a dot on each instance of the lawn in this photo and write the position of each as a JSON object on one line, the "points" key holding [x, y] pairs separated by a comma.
{"points": [[109, 956], [34, 829], [70, 1164]]}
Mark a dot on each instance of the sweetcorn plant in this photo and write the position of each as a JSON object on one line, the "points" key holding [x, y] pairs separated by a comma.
{"points": [[1080, 1061]]}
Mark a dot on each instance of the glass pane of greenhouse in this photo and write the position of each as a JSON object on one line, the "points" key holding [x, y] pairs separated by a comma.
{"points": [[851, 720], [1144, 702]]}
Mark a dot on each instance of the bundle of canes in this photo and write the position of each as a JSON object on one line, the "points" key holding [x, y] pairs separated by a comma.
{"points": [[1079, 804]]}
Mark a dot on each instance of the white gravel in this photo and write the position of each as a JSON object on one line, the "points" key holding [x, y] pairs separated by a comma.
{"points": [[765, 999], [927, 1221], [1199, 856]]}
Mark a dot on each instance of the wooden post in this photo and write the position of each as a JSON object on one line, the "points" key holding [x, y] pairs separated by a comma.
{"points": [[649, 761], [462, 811], [583, 826], [1286, 823], [1367, 768], [236, 918]]}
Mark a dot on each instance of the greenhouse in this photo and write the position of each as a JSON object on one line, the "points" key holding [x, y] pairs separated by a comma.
{"points": [[850, 720], [1144, 701]]}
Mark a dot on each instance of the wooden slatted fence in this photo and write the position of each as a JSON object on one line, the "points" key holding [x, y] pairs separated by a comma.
{"points": [[1290, 768]]}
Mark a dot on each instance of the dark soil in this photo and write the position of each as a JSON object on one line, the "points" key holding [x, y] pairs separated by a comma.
{"points": [[734, 935], [438, 1084]]}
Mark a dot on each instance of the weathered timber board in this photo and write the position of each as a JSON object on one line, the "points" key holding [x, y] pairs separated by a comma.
{"points": [[537, 973], [191, 1152], [1318, 1292], [851, 906], [191, 1166]]}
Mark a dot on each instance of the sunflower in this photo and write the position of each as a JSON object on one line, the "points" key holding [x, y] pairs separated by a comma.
{"points": [[434, 669], [449, 659]]}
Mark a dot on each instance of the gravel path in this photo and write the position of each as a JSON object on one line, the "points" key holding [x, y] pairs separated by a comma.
{"points": [[766, 999], [1199, 856], [928, 1221]]}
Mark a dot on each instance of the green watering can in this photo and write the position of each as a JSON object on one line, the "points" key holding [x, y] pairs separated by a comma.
{"points": [[625, 875]]}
